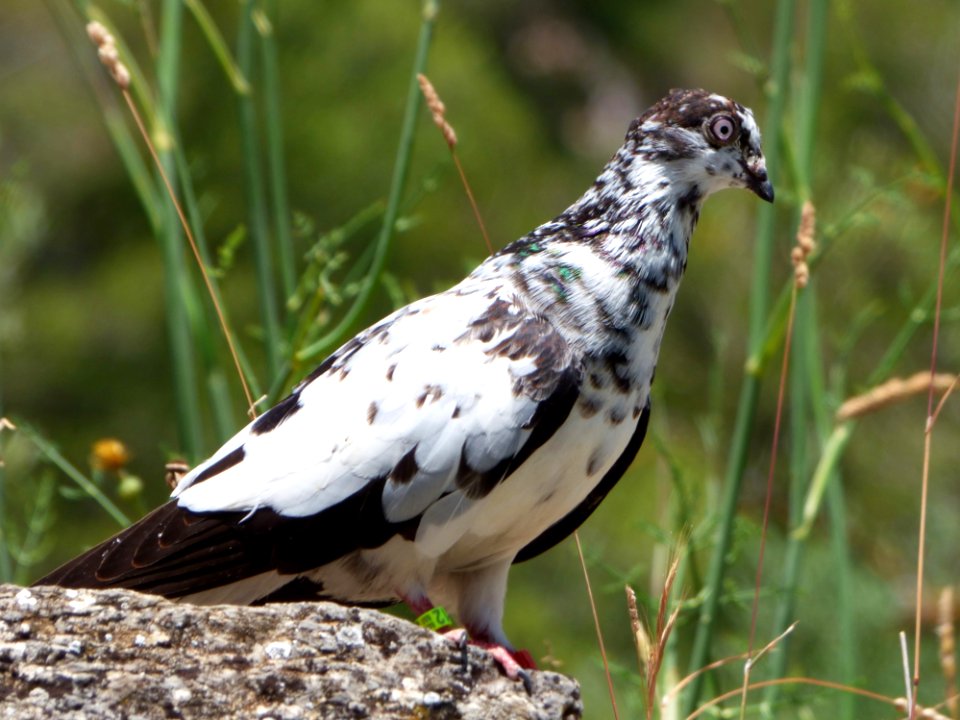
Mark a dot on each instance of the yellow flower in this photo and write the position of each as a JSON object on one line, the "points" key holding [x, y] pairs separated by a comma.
{"points": [[109, 454]]}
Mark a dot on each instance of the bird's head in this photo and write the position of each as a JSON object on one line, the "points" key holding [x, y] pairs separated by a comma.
{"points": [[704, 140]]}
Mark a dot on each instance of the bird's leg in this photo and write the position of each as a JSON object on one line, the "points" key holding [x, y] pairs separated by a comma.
{"points": [[424, 610], [428, 615], [514, 663], [480, 597]]}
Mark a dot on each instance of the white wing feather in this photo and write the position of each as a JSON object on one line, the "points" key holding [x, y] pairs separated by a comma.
{"points": [[446, 396]]}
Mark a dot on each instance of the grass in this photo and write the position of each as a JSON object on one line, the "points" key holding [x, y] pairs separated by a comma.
{"points": [[311, 296], [809, 422], [398, 184]]}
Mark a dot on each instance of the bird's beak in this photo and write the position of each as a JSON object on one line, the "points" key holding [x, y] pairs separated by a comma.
{"points": [[758, 181]]}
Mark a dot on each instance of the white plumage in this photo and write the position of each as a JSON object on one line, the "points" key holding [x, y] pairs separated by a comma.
{"points": [[468, 430]]}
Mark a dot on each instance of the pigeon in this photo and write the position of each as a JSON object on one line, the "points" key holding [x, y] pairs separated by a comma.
{"points": [[468, 430]]}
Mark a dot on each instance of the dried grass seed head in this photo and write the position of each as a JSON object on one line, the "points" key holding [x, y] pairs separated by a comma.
{"points": [[108, 54], [805, 245], [437, 110], [892, 391], [98, 34], [807, 229]]}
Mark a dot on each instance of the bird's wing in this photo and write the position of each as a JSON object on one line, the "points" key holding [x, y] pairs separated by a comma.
{"points": [[444, 397]]}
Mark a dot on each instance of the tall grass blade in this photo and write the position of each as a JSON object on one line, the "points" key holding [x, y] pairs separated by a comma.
{"points": [[213, 318], [256, 199], [276, 166], [750, 391], [846, 620], [177, 285], [219, 46], [806, 377]]}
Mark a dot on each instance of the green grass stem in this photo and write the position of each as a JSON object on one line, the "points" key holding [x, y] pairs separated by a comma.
{"points": [[870, 81], [88, 487], [205, 322], [807, 387], [848, 656], [277, 171], [917, 318], [810, 95], [833, 450], [204, 326], [182, 294], [750, 390], [397, 185], [256, 198], [312, 290], [36, 535], [219, 46], [803, 367], [139, 173], [177, 283]]}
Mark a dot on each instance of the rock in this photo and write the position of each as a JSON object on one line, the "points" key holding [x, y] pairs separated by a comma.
{"points": [[89, 654]]}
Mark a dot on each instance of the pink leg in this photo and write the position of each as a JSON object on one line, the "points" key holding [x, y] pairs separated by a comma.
{"points": [[515, 663], [419, 603]]}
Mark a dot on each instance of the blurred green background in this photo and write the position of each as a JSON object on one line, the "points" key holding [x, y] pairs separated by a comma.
{"points": [[540, 94]]}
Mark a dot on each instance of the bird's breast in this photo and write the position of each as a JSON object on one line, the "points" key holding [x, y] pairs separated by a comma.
{"points": [[552, 482], [619, 360]]}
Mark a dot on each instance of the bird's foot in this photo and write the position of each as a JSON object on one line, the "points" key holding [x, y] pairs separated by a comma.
{"points": [[514, 663]]}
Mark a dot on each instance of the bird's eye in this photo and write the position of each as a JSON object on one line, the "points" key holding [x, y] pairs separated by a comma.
{"points": [[723, 128]]}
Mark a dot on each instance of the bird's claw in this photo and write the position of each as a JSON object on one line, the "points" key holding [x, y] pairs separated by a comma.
{"points": [[526, 679], [459, 638], [515, 663]]}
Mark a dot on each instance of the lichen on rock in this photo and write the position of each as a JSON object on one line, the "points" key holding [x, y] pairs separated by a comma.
{"points": [[91, 654]]}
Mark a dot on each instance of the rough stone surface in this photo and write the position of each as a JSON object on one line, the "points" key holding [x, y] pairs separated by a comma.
{"points": [[89, 654]]}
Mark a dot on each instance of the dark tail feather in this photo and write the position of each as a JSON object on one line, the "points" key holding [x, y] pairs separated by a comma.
{"points": [[170, 552], [176, 552]]}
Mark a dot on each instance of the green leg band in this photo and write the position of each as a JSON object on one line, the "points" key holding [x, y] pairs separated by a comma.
{"points": [[435, 619]]}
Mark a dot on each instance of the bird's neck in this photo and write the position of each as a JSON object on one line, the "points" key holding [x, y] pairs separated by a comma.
{"points": [[606, 263]]}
